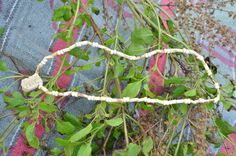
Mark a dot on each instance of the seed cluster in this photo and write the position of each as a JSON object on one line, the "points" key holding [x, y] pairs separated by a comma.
{"points": [[201, 18]]}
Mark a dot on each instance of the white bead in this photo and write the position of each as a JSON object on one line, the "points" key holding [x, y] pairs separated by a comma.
{"points": [[217, 99], [200, 57], [54, 93], [126, 99], [109, 99], [40, 86], [78, 44], [66, 93], [217, 86], [186, 51], [74, 94], [60, 94], [60, 52], [90, 97], [201, 100], [95, 44], [187, 101]]}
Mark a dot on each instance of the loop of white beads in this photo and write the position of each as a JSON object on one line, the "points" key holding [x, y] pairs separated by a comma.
{"points": [[35, 81]]}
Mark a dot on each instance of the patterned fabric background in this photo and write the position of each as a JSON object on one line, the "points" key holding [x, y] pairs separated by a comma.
{"points": [[28, 38]]}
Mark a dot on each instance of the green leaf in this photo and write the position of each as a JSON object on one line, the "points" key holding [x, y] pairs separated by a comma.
{"points": [[86, 67], [47, 108], [191, 93], [170, 26], [3, 66], [131, 73], [79, 22], [176, 80], [77, 52], [119, 1], [97, 64], [226, 104], [95, 10], [24, 113], [114, 122], [120, 153], [64, 127], [72, 119], [82, 133], [1, 31], [62, 13], [147, 145], [211, 90], [135, 49], [67, 15], [148, 92], [56, 151], [30, 136], [132, 89], [85, 150], [133, 149], [2, 90], [87, 19], [69, 150], [49, 99], [229, 87], [179, 91], [35, 94], [119, 68], [58, 14], [109, 41], [116, 134], [90, 2], [183, 108], [144, 106], [166, 39], [225, 127], [15, 99], [81, 68], [210, 106], [142, 36], [62, 142]]}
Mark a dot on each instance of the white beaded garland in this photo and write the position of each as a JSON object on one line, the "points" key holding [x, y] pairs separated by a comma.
{"points": [[35, 81]]}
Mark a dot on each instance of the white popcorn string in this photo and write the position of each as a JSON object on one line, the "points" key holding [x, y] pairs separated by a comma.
{"points": [[35, 81]]}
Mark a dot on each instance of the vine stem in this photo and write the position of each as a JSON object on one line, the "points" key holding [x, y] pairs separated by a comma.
{"points": [[180, 138], [171, 138], [12, 71], [154, 25], [229, 140], [105, 80], [74, 20], [170, 18], [96, 30], [105, 142], [136, 122], [125, 128], [59, 73], [11, 77]]}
